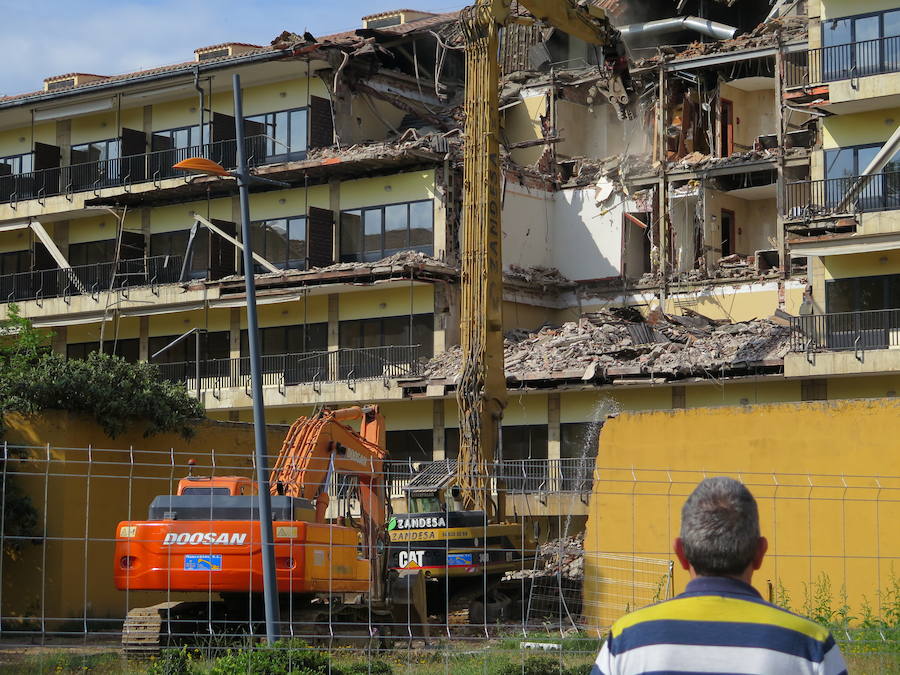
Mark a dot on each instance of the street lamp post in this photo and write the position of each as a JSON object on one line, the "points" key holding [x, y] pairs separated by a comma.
{"points": [[244, 178]]}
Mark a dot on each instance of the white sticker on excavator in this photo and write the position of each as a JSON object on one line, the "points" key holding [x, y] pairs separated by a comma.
{"points": [[219, 539]]}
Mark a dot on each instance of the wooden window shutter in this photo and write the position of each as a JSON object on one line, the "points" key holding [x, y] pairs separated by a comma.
{"points": [[320, 237], [321, 123], [221, 252]]}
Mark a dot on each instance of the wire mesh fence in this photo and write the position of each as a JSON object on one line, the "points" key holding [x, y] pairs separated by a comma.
{"points": [[128, 560]]}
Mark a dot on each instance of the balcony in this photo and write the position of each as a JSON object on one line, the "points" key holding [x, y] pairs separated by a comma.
{"points": [[284, 370], [123, 171], [89, 279], [845, 196], [844, 343], [845, 78]]}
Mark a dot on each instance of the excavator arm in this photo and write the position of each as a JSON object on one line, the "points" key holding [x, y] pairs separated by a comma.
{"points": [[481, 389], [316, 448]]}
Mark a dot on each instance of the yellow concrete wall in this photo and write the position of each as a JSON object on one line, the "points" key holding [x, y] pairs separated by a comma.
{"points": [[876, 386], [178, 323], [21, 141], [874, 126], [736, 303], [815, 469], [282, 95], [87, 500], [754, 113], [403, 187], [755, 223], [837, 8], [16, 240], [522, 123], [294, 313], [861, 265], [90, 332], [386, 302]]}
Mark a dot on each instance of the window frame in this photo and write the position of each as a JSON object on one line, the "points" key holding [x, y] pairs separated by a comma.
{"points": [[274, 150], [8, 160], [284, 264], [840, 64], [362, 255]]}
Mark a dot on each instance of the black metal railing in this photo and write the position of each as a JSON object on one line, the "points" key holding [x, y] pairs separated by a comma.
{"points": [[843, 62], [151, 166], [367, 363], [846, 331], [90, 279], [806, 200]]}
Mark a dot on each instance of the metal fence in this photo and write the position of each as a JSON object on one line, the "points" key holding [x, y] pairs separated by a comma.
{"points": [[123, 171], [341, 365], [807, 200], [573, 565], [843, 62], [846, 331], [90, 279]]}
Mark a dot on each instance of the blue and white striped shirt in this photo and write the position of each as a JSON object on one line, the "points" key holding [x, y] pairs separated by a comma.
{"points": [[718, 625]]}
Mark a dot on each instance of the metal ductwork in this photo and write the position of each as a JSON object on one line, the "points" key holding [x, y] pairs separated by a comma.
{"points": [[712, 29]]}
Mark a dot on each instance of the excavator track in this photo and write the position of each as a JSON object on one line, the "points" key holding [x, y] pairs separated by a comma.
{"points": [[147, 630]]}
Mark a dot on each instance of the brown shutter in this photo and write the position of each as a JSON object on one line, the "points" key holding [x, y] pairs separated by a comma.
{"points": [[321, 123], [222, 127], [255, 138], [46, 157], [134, 145], [134, 142], [320, 237], [221, 252]]}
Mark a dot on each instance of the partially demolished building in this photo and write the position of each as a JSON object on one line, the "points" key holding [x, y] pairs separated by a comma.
{"points": [[727, 237]]}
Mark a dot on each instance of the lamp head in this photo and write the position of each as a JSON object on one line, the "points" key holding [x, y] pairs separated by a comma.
{"points": [[202, 166]]}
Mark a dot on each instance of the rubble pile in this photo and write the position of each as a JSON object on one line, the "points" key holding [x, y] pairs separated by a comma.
{"points": [[606, 345], [539, 277], [563, 556], [399, 259]]}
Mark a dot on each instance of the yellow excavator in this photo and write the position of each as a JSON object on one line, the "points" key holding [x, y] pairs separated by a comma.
{"points": [[457, 509]]}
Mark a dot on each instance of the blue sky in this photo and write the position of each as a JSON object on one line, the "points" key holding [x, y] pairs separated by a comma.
{"points": [[51, 37]]}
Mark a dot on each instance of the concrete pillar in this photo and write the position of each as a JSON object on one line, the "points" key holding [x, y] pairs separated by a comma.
{"points": [[334, 203], [64, 141], [145, 228], [437, 435], [59, 340], [144, 338], [147, 124], [234, 342], [61, 236], [446, 316], [334, 334], [554, 444], [236, 219]]}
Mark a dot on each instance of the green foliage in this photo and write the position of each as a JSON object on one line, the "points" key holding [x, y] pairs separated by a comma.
{"points": [[116, 393], [282, 658], [174, 662], [540, 665]]}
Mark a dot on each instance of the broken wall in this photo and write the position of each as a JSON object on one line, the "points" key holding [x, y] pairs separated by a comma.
{"points": [[755, 224], [754, 109]]}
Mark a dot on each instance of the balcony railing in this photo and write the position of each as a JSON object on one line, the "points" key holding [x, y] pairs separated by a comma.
{"points": [[89, 279], [811, 199], [342, 365], [519, 476], [846, 331], [123, 171], [843, 62]]}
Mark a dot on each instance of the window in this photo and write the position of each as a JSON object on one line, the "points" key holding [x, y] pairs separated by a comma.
{"points": [[15, 262], [286, 133], [96, 151], [179, 138], [126, 349], [524, 452], [93, 164], [406, 448], [281, 241], [374, 233], [92, 252], [297, 351], [175, 244], [360, 334], [862, 294], [14, 284], [881, 192], [179, 362], [861, 45], [17, 164], [578, 450]]}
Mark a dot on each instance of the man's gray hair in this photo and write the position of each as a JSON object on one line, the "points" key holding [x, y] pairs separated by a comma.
{"points": [[720, 527]]}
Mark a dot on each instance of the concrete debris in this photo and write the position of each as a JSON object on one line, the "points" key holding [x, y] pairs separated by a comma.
{"points": [[606, 344], [543, 277], [563, 556]]}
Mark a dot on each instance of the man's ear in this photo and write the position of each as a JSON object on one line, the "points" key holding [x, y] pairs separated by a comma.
{"points": [[679, 551], [761, 548]]}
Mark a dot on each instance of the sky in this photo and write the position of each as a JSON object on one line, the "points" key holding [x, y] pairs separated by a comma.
{"points": [[42, 38]]}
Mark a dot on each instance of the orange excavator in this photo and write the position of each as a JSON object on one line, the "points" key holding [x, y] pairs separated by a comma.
{"points": [[206, 539]]}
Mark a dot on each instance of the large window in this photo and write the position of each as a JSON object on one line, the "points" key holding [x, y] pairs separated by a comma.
{"points": [[286, 133], [296, 339], [16, 164], [861, 45], [374, 233], [881, 192], [126, 349], [390, 330], [175, 244], [93, 164], [281, 241], [406, 448], [862, 294], [179, 138]]}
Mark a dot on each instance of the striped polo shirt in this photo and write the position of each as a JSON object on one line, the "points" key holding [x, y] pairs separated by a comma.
{"points": [[718, 625]]}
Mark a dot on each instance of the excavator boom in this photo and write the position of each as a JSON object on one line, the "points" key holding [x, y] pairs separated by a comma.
{"points": [[481, 389]]}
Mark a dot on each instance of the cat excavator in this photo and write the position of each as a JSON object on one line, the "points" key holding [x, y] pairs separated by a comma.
{"points": [[456, 528], [205, 538]]}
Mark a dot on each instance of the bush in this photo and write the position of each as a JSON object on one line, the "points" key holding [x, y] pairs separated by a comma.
{"points": [[285, 657], [173, 662], [541, 665]]}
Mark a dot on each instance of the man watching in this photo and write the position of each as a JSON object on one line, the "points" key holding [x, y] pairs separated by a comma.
{"points": [[720, 624]]}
